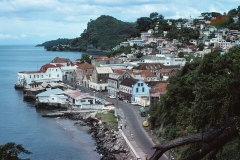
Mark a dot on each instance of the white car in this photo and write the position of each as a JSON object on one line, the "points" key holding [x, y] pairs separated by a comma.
{"points": [[112, 96]]}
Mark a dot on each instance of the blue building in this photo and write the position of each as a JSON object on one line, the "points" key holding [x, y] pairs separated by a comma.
{"points": [[131, 88]]}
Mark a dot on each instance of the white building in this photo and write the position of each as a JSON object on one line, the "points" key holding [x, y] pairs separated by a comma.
{"points": [[167, 59], [67, 72], [47, 73], [52, 96]]}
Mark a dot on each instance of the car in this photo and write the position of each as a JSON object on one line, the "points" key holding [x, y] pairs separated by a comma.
{"points": [[112, 96], [142, 112], [145, 123], [108, 96], [134, 103]]}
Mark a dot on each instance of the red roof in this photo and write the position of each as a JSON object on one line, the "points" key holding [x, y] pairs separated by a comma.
{"points": [[46, 66], [43, 69]]}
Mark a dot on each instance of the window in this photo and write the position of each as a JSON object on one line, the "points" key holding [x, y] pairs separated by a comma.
{"points": [[136, 89], [33, 76], [37, 76], [52, 98], [142, 89], [57, 75], [138, 84], [82, 100], [49, 75], [85, 71], [42, 76], [30, 76], [56, 69], [141, 84]]}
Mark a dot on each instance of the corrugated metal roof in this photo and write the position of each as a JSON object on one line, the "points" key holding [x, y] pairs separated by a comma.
{"points": [[79, 95], [50, 92], [104, 70]]}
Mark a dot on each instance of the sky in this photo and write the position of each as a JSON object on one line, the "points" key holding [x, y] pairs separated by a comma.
{"points": [[37, 21]]}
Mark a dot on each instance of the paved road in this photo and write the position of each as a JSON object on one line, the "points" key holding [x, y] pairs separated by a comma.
{"points": [[133, 119]]}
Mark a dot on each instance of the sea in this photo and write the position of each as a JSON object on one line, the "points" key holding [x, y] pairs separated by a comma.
{"points": [[22, 123]]}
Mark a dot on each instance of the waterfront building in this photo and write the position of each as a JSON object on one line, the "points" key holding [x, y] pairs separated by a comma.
{"points": [[47, 73]]}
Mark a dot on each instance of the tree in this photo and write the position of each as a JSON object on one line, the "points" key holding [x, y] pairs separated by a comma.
{"points": [[200, 46], [143, 23], [10, 151], [139, 55], [85, 58], [181, 55], [200, 110]]}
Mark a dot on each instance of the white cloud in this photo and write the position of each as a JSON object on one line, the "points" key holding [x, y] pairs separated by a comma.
{"points": [[9, 36], [51, 19]]}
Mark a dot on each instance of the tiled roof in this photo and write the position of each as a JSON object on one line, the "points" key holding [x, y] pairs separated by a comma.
{"points": [[120, 71], [149, 66], [160, 87], [147, 73], [165, 70], [60, 60], [46, 66], [128, 82], [85, 65], [77, 94], [154, 83]]}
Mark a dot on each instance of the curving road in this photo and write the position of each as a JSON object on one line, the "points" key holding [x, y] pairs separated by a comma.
{"points": [[134, 122]]}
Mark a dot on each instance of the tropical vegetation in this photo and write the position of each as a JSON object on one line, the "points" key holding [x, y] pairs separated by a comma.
{"points": [[200, 110], [11, 151]]}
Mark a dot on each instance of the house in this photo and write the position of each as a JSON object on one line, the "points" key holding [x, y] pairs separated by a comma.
{"points": [[62, 61], [156, 92], [165, 59], [164, 73], [137, 41], [47, 73], [79, 100], [100, 78], [81, 71], [152, 67], [97, 61], [116, 78], [147, 76], [131, 88], [86, 80], [67, 72], [51, 98]]}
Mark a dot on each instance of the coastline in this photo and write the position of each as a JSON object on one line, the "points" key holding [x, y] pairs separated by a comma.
{"points": [[110, 144]]}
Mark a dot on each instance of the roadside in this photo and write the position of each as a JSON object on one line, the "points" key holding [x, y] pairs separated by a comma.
{"points": [[135, 143]]}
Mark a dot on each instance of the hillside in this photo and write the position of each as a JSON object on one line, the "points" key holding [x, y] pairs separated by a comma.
{"points": [[53, 42], [101, 34]]}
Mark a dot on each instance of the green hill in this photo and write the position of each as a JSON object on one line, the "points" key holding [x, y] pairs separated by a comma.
{"points": [[101, 34]]}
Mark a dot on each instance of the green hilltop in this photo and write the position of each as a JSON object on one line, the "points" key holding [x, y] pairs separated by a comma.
{"points": [[101, 34]]}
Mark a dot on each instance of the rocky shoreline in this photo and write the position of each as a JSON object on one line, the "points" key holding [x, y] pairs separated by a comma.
{"points": [[109, 142]]}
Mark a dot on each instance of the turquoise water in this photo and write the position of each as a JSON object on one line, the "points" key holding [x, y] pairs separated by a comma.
{"points": [[22, 123]]}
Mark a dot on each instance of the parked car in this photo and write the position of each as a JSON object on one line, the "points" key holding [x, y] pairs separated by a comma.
{"points": [[142, 112], [108, 96], [145, 123], [112, 96], [134, 103]]}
